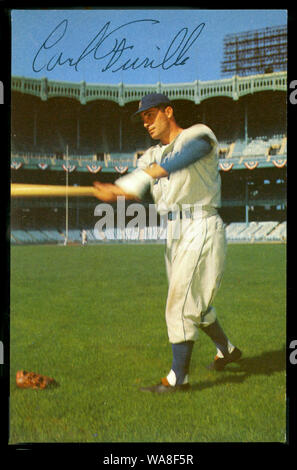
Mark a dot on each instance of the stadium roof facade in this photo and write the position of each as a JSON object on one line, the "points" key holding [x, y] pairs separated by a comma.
{"points": [[197, 91]]}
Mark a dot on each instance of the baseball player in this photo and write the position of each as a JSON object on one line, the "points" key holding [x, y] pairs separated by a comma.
{"points": [[84, 237], [181, 171]]}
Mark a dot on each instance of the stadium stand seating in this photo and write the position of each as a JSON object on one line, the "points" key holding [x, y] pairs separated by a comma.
{"points": [[277, 144], [230, 150], [38, 236], [13, 240], [90, 235], [223, 150], [256, 148], [283, 147], [247, 233], [264, 229], [279, 233], [53, 235], [237, 149], [22, 236], [35, 236], [260, 146], [74, 235], [256, 231], [235, 232]]}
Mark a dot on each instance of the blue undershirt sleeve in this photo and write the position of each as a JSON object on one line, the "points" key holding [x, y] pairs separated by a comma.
{"points": [[190, 153]]}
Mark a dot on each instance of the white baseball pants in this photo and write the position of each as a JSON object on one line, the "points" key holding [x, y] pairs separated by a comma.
{"points": [[195, 261]]}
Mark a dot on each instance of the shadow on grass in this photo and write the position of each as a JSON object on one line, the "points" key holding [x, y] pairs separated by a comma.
{"points": [[267, 363]]}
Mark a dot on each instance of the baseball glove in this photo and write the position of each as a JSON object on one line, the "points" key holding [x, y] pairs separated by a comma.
{"points": [[26, 379]]}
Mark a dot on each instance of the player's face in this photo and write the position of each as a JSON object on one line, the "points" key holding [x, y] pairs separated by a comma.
{"points": [[156, 122]]}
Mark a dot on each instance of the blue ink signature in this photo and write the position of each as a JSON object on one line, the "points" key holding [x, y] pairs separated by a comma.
{"points": [[115, 59]]}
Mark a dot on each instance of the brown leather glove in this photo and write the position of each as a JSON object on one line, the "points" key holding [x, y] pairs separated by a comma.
{"points": [[26, 379]]}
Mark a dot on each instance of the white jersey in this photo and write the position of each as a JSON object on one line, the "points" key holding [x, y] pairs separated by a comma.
{"points": [[197, 184]]}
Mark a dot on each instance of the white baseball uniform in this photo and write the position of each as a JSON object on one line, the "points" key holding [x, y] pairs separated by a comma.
{"points": [[196, 243], [84, 237]]}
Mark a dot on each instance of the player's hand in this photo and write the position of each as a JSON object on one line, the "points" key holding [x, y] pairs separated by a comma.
{"points": [[156, 171], [109, 192]]}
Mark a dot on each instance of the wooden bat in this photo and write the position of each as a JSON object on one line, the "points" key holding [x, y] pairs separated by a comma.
{"points": [[46, 190]]}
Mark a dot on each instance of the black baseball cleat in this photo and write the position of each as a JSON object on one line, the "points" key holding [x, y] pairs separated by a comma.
{"points": [[219, 363], [164, 387]]}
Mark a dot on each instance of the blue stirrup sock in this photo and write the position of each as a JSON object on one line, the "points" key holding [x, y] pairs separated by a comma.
{"points": [[182, 353], [217, 335]]}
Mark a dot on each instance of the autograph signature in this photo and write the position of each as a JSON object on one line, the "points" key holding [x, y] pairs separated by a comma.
{"points": [[114, 57]]}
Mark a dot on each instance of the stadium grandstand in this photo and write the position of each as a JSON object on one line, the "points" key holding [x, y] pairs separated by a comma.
{"points": [[83, 131]]}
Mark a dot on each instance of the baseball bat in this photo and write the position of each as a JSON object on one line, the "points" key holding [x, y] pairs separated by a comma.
{"points": [[45, 190]]}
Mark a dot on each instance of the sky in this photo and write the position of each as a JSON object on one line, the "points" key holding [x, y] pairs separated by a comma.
{"points": [[141, 46]]}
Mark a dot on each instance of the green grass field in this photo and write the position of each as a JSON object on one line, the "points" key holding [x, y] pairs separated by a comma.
{"points": [[93, 318]]}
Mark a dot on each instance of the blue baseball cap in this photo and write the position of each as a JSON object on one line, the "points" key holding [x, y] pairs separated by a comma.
{"points": [[150, 101]]}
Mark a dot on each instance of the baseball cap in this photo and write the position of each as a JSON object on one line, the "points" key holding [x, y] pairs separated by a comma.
{"points": [[150, 101]]}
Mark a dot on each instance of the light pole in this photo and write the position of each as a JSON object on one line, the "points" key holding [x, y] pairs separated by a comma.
{"points": [[66, 215]]}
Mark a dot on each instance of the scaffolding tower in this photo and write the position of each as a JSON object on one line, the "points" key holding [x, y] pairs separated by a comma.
{"points": [[255, 52]]}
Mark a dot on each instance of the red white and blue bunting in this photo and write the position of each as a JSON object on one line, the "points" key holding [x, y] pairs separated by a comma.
{"points": [[121, 169], [226, 166], [94, 168], [279, 163], [69, 168], [43, 166], [251, 165], [16, 165]]}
